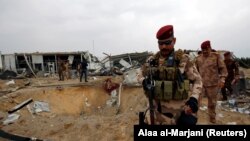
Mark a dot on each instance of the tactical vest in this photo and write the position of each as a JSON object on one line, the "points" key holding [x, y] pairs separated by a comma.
{"points": [[170, 84]]}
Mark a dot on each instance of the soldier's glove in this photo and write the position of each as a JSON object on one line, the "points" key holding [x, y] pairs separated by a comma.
{"points": [[193, 104], [178, 54], [186, 119]]}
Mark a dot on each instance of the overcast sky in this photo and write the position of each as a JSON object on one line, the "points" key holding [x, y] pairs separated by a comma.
{"points": [[122, 26]]}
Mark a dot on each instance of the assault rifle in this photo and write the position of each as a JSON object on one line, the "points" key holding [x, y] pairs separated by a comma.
{"points": [[149, 85]]}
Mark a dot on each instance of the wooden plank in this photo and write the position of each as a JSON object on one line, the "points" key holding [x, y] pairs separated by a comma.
{"points": [[19, 106]]}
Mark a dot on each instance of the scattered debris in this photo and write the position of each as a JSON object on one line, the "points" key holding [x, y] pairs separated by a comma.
{"points": [[42, 74], [240, 103], [247, 112], [109, 86], [231, 123], [117, 71], [125, 64], [11, 82], [118, 64], [10, 119], [133, 77], [87, 102], [203, 108], [8, 74], [113, 99], [220, 115], [231, 103], [40, 107]]}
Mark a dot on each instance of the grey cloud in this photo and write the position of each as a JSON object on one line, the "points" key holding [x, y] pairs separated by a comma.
{"points": [[121, 26]]}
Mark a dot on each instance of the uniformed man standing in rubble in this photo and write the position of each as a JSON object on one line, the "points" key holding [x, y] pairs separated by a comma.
{"points": [[61, 69], [213, 72], [172, 72], [233, 74]]}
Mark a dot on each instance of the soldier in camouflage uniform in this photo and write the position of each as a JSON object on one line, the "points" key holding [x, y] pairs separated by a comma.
{"points": [[61, 69], [233, 74], [213, 73], [172, 72]]}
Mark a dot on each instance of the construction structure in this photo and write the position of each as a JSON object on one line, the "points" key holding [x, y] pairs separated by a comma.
{"points": [[46, 62]]}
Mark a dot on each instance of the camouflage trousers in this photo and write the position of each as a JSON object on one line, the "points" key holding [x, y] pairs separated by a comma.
{"points": [[211, 93], [227, 86], [61, 75]]}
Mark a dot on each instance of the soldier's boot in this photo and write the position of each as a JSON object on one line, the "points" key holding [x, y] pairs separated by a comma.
{"points": [[212, 120]]}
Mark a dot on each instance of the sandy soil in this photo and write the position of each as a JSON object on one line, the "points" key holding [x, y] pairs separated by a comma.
{"points": [[78, 111]]}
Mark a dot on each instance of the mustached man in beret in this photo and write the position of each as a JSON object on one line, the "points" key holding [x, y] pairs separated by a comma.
{"points": [[213, 73], [168, 75], [233, 74]]}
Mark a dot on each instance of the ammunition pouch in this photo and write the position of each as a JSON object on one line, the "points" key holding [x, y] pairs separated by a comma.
{"points": [[163, 90], [169, 84], [182, 90], [166, 73]]}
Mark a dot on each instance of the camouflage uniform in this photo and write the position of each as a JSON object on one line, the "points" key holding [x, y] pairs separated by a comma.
{"points": [[174, 107], [233, 71], [61, 69], [212, 70], [67, 69]]}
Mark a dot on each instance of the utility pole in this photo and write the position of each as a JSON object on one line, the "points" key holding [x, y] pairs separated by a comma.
{"points": [[93, 45]]}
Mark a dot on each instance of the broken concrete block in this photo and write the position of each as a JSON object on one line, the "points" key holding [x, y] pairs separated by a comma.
{"points": [[41, 106]]}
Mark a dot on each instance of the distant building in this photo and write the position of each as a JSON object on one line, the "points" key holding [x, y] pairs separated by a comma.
{"points": [[46, 62]]}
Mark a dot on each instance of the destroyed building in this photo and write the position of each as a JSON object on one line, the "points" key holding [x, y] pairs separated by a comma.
{"points": [[126, 61], [46, 62]]}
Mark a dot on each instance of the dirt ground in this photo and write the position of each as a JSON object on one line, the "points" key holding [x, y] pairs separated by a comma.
{"points": [[78, 111]]}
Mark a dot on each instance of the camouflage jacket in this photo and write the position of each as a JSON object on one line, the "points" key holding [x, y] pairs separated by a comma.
{"points": [[212, 69], [232, 68]]}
